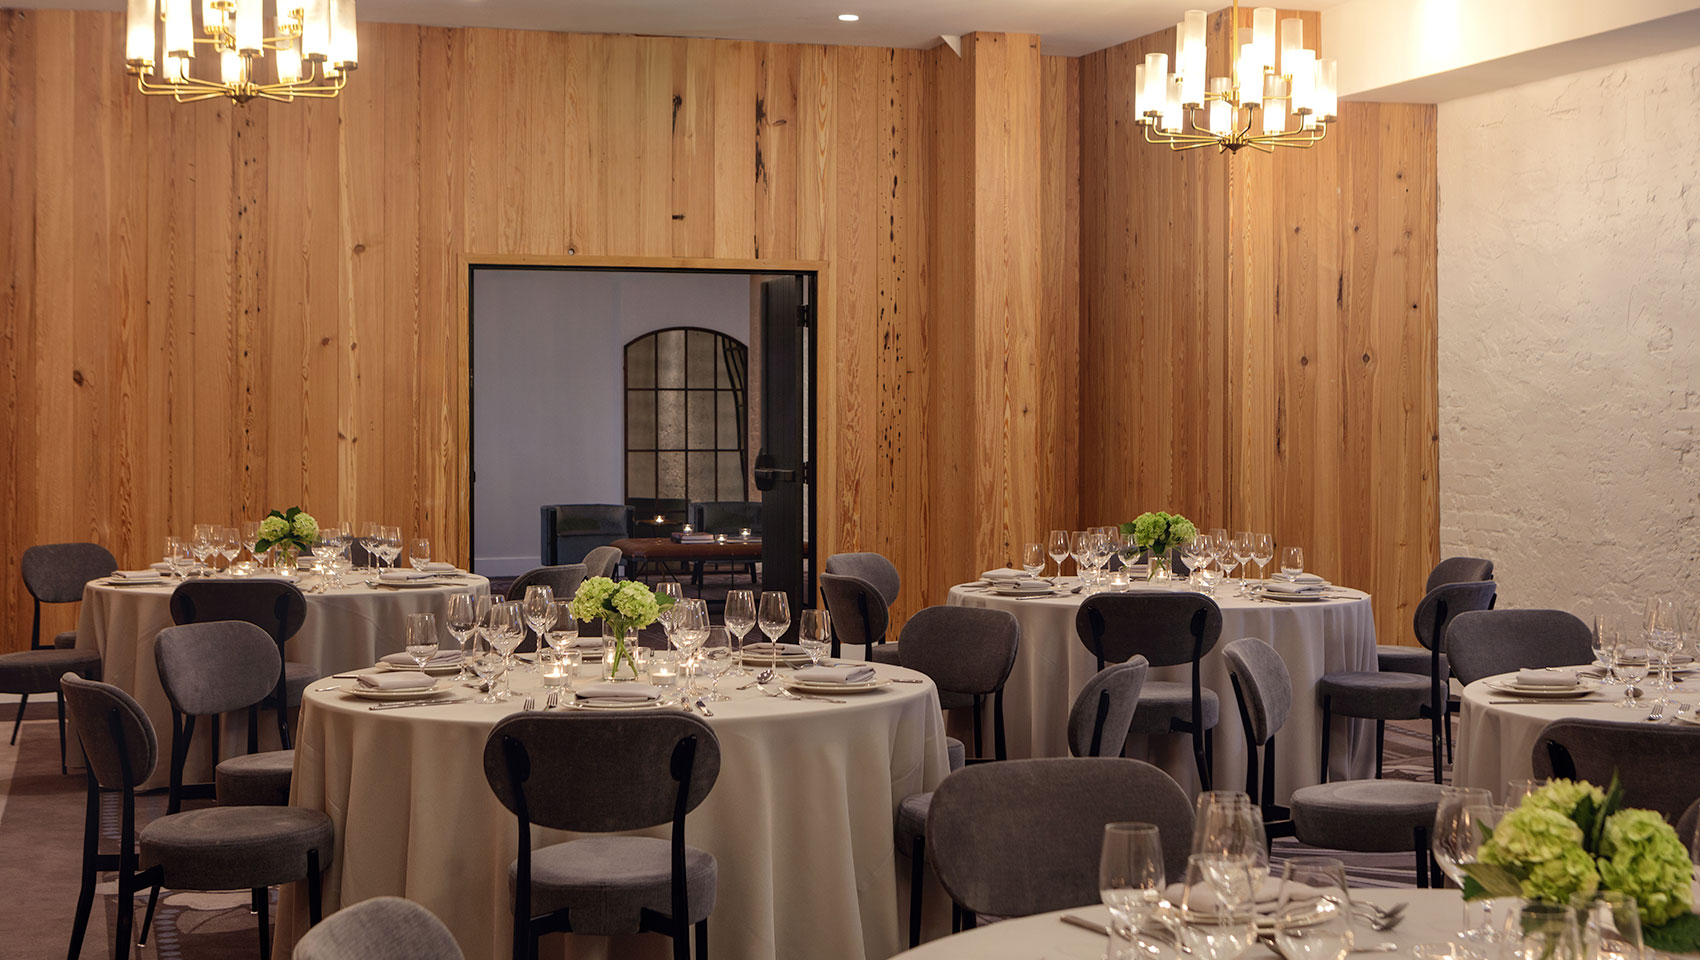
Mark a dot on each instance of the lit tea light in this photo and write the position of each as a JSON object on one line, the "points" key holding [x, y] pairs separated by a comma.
{"points": [[720, 538], [663, 674], [555, 676], [744, 532], [686, 528], [660, 519]]}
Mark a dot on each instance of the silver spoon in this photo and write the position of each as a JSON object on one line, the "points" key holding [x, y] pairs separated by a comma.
{"points": [[704, 708], [762, 676]]}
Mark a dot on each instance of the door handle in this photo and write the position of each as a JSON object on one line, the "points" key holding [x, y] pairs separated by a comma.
{"points": [[767, 476]]}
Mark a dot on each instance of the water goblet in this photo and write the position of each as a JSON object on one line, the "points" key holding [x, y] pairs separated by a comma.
{"points": [[462, 621], [1313, 911], [1604, 644], [421, 638], [250, 535], [487, 665], [774, 618], [178, 557], [1130, 875], [814, 632], [716, 656], [229, 546], [673, 589], [1033, 559], [504, 626], [539, 609], [391, 545], [419, 554], [1216, 920], [1293, 561], [1080, 549], [1262, 551], [1056, 547], [1629, 662], [739, 615]]}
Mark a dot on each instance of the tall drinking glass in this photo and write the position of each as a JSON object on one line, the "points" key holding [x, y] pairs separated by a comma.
{"points": [[1463, 815], [1663, 635], [670, 588], [1130, 875], [1056, 547], [462, 621], [814, 632], [1313, 912], [1080, 549], [1033, 559], [487, 664], [740, 618], [505, 627], [419, 554], [774, 618], [229, 546], [690, 630]]}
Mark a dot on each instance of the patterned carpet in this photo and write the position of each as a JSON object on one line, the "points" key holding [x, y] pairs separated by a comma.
{"points": [[41, 843]]}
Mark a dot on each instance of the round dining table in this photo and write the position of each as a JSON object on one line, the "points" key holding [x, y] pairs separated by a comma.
{"points": [[800, 820], [1313, 638], [1496, 737], [346, 628]]}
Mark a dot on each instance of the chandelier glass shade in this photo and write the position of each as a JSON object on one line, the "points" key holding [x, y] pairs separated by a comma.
{"points": [[1272, 96], [205, 49]]}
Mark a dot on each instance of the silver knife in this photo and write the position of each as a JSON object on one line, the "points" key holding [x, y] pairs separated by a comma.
{"points": [[418, 703]]}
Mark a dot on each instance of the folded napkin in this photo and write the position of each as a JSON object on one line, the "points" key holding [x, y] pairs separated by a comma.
{"points": [[396, 680], [439, 566], [1204, 897], [849, 673], [1029, 586], [441, 658], [1004, 573], [135, 574], [161, 566], [1295, 589], [1299, 578], [404, 575], [620, 691], [1546, 677], [586, 643], [762, 648]]}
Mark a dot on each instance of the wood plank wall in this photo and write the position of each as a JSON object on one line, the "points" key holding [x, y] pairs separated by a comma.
{"points": [[1258, 340], [209, 310]]}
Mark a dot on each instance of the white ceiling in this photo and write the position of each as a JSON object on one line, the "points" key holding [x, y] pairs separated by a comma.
{"points": [[1067, 27]]}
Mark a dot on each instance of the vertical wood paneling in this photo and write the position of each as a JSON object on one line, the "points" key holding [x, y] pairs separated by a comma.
{"points": [[264, 302]]}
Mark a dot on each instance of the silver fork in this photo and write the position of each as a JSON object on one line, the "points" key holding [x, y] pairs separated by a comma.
{"points": [[1657, 713]]}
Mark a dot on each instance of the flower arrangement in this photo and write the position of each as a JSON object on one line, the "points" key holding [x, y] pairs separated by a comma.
{"points": [[1571, 839], [623, 606], [293, 527], [1160, 532]]}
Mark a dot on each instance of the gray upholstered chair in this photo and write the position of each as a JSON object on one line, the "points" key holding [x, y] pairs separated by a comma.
{"points": [[382, 928], [871, 567], [1023, 837], [562, 580], [38, 671], [1400, 658], [860, 616], [216, 848], [1654, 762], [1389, 695], [602, 562], [604, 774], [57, 573], [1365, 816], [968, 652], [1168, 629], [572, 530], [1485, 643], [213, 668], [726, 516], [275, 606], [1098, 722]]}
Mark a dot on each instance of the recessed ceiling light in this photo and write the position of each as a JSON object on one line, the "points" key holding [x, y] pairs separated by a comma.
{"points": [[849, 17]]}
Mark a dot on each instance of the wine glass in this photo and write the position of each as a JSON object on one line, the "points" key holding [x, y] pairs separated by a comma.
{"points": [[1611, 923], [504, 627], [1197, 554], [419, 554], [1130, 875], [250, 535], [1244, 552], [1516, 790], [1079, 549], [1629, 665], [1604, 644], [203, 544], [1262, 551], [1456, 839], [326, 546], [814, 632], [774, 618], [177, 555], [670, 588], [1033, 559], [1292, 562], [370, 534], [716, 655], [1216, 920], [1226, 558], [421, 638], [1230, 826], [229, 546], [1663, 634], [1056, 547], [690, 631], [391, 545], [462, 621], [739, 616], [1313, 913], [563, 629], [539, 608], [487, 665]]}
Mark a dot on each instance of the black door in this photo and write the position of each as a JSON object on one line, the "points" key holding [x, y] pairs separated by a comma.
{"points": [[782, 466]]}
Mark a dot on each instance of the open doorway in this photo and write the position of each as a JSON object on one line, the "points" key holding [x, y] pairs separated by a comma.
{"points": [[665, 413]]}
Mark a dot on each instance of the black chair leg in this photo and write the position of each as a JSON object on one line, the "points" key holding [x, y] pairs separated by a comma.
{"points": [[23, 701], [1380, 744], [682, 941], [955, 917], [1419, 843], [147, 918], [59, 702], [1327, 725], [264, 899], [315, 890], [91, 848], [1448, 709], [253, 902], [979, 753], [999, 749], [1199, 760], [917, 877], [702, 927], [1436, 736], [126, 914], [969, 920]]}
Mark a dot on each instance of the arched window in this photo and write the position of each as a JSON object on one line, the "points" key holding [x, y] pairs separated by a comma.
{"points": [[687, 418]]}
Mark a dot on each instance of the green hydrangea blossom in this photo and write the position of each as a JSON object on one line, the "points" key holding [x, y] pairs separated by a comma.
{"points": [[1531, 834], [1571, 873], [1562, 796], [635, 604], [1641, 855], [1160, 532], [274, 528], [590, 602], [306, 528]]}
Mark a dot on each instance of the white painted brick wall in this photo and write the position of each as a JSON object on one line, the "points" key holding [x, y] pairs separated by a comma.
{"points": [[1570, 335]]}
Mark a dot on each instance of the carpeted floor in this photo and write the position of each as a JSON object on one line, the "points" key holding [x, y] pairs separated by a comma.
{"points": [[41, 842]]}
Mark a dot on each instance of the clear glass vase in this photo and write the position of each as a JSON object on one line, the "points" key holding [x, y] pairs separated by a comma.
{"points": [[1157, 567], [618, 643]]}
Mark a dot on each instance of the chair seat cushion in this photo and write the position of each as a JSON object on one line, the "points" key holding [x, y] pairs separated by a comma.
{"points": [[1403, 659], [255, 779], [38, 671], [1366, 816], [884, 653], [912, 820], [957, 752], [235, 848], [1163, 701], [605, 883], [65, 641], [1378, 696]]}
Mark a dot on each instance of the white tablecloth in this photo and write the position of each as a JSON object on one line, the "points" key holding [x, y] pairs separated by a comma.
{"points": [[1432, 916], [800, 820], [1052, 666], [1496, 740], [345, 629]]}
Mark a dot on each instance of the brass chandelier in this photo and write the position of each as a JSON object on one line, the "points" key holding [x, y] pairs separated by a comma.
{"points": [[313, 49], [1248, 108]]}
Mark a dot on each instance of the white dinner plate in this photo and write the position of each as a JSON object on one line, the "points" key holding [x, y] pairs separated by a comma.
{"points": [[1296, 597], [609, 703], [1009, 592], [405, 584], [435, 670], [135, 581], [766, 659], [354, 689], [825, 686], [1582, 689]]}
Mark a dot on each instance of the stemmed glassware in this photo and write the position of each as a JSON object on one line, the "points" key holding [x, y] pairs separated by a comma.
{"points": [[669, 615], [1217, 919], [1543, 931], [390, 546], [1230, 827], [1629, 665], [1456, 839], [717, 656], [250, 534], [177, 555], [1033, 559], [1262, 551], [562, 633], [739, 616], [370, 535], [204, 545], [229, 546], [326, 547], [504, 627], [1226, 557], [1056, 547], [1604, 643], [1080, 549], [421, 638], [539, 608], [487, 664], [1313, 912], [814, 632], [1130, 875], [774, 618], [690, 631], [1198, 553], [1128, 550], [462, 621], [1244, 552], [419, 554], [1663, 634]]}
